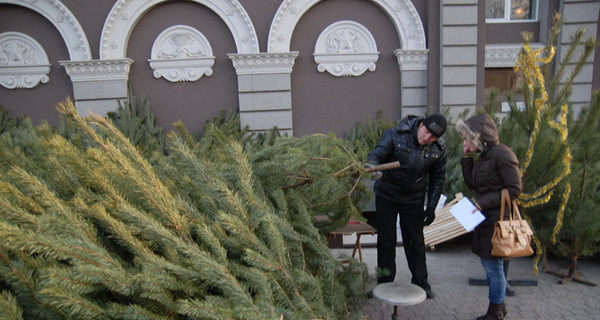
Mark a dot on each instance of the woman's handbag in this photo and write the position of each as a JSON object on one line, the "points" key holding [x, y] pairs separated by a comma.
{"points": [[512, 237]]}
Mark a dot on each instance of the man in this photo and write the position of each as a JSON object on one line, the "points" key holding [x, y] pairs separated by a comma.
{"points": [[416, 143]]}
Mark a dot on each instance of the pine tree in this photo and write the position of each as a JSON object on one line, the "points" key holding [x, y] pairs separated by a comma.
{"points": [[6, 121], [580, 233], [363, 138], [95, 230], [138, 124], [540, 137]]}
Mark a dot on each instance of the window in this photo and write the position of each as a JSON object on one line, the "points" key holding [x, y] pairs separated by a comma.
{"points": [[507, 82], [510, 10]]}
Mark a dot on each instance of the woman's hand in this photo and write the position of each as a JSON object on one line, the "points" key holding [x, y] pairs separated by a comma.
{"points": [[468, 146]]}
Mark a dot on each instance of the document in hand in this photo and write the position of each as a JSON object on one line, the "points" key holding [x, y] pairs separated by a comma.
{"points": [[467, 214]]}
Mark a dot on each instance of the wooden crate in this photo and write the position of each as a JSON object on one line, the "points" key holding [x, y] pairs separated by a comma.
{"points": [[445, 226]]}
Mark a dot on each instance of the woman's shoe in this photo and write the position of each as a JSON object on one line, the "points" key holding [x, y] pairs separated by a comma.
{"points": [[483, 317], [494, 312]]}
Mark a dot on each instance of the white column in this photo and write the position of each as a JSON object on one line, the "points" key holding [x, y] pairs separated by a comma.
{"points": [[265, 90], [579, 15], [98, 85], [459, 55], [413, 76]]}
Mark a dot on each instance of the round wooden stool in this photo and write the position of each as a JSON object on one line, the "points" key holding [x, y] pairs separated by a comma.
{"points": [[397, 294]]}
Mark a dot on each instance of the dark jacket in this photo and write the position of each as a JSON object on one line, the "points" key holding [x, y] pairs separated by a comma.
{"points": [[496, 168], [422, 167]]}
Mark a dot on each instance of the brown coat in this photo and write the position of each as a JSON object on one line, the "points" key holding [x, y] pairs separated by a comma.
{"points": [[496, 168]]}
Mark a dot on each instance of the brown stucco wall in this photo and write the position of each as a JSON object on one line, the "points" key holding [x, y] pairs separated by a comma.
{"points": [[91, 15], [191, 102], [322, 102]]}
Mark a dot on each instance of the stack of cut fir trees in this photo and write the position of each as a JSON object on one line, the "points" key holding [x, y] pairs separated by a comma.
{"points": [[107, 218]]}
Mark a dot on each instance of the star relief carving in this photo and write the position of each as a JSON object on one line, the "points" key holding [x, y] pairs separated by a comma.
{"points": [[345, 41], [23, 61], [15, 53]]}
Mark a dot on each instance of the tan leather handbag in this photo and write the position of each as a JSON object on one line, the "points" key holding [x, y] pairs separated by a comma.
{"points": [[512, 237]]}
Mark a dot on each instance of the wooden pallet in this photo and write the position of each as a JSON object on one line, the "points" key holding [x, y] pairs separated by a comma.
{"points": [[445, 226]]}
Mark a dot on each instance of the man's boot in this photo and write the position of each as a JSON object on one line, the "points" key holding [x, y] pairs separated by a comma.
{"points": [[494, 312]]}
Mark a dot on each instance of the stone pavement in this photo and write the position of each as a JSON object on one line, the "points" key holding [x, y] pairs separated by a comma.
{"points": [[451, 265]]}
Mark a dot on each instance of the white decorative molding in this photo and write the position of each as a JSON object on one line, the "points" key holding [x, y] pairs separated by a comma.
{"points": [[263, 63], [402, 13], [505, 56], [97, 70], [64, 21], [98, 85], [181, 53], [126, 13], [346, 48], [412, 59], [23, 61]]}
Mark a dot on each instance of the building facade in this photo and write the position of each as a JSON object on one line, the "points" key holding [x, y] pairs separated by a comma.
{"points": [[303, 66]]}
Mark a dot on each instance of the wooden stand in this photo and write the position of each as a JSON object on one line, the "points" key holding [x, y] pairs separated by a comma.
{"points": [[445, 226], [354, 227]]}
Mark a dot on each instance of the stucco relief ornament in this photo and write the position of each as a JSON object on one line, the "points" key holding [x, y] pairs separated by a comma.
{"points": [[346, 48], [505, 55], [23, 61], [181, 53]]}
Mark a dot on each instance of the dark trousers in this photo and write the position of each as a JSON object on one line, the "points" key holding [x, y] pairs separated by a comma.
{"points": [[411, 226]]}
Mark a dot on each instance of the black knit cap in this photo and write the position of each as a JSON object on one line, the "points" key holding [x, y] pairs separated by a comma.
{"points": [[436, 124]]}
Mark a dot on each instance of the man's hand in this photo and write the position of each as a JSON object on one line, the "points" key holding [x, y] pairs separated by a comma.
{"points": [[375, 174], [429, 217]]}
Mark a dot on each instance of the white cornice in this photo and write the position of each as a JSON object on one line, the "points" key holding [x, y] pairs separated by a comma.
{"points": [[92, 70], [263, 63], [412, 59]]}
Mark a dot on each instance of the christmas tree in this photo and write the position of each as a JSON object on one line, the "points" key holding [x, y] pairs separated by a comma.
{"points": [[92, 228], [541, 137]]}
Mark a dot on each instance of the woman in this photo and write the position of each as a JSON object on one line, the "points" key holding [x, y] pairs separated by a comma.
{"points": [[496, 168]]}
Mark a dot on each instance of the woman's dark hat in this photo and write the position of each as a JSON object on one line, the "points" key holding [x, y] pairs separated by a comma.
{"points": [[436, 124]]}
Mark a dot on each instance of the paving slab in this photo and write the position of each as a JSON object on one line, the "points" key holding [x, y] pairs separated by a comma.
{"points": [[451, 265]]}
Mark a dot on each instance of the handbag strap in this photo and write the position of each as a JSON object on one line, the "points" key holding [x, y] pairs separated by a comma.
{"points": [[505, 201], [516, 213]]}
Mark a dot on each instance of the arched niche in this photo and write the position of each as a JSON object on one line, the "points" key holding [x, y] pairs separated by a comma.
{"points": [[126, 13], [402, 12], [66, 23]]}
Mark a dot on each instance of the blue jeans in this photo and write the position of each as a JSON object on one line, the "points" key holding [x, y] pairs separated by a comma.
{"points": [[494, 272]]}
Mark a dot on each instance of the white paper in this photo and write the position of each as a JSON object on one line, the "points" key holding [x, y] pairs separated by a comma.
{"points": [[467, 214], [441, 202]]}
